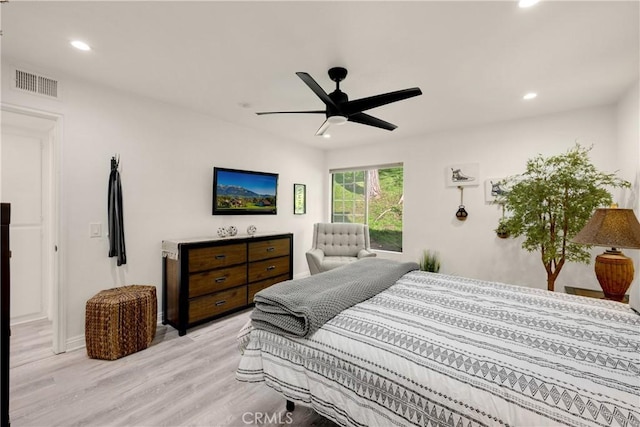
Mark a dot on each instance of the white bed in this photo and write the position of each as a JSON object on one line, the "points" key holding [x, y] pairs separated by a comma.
{"points": [[442, 350]]}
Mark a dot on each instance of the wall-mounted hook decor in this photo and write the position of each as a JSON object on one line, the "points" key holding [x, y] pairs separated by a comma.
{"points": [[461, 213], [115, 214], [502, 231]]}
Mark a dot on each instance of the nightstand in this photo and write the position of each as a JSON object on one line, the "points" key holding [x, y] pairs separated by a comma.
{"points": [[589, 293]]}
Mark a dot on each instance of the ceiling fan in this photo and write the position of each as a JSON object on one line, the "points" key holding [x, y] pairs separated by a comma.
{"points": [[340, 110]]}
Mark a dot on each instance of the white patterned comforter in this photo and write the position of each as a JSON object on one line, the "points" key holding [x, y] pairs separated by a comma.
{"points": [[442, 350]]}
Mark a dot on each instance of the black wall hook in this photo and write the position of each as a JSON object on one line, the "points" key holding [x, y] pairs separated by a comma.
{"points": [[115, 162]]}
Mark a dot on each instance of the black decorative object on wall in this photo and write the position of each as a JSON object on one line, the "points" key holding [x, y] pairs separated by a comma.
{"points": [[461, 213], [115, 211]]}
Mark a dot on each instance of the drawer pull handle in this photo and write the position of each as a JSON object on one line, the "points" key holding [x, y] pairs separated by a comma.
{"points": [[221, 279], [222, 256], [271, 249], [271, 267], [219, 303]]}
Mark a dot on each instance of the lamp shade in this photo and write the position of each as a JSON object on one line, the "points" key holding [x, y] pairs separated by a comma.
{"points": [[612, 227]]}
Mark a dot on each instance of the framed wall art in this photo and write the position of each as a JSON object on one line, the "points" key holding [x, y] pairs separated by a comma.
{"points": [[493, 188], [299, 199], [462, 174]]}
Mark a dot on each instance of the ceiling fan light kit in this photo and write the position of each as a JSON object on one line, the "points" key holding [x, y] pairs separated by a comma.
{"points": [[337, 120], [338, 109]]}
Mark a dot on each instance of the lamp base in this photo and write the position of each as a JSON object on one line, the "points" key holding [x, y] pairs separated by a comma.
{"points": [[614, 271]]}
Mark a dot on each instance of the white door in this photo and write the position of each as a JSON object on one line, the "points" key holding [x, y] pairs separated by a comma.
{"points": [[24, 166]]}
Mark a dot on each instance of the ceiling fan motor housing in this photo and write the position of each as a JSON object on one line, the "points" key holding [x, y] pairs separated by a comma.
{"points": [[338, 97]]}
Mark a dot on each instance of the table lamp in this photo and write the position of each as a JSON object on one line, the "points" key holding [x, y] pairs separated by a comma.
{"points": [[615, 228]]}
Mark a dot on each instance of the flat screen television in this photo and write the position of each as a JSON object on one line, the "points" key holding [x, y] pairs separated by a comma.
{"points": [[238, 192]]}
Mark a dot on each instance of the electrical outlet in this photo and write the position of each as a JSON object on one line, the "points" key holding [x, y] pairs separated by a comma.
{"points": [[95, 229]]}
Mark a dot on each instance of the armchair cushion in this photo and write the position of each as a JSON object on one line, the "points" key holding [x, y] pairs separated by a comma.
{"points": [[338, 244], [332, 262]]}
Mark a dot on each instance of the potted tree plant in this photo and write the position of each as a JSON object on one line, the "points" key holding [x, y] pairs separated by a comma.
{"points": [[551, 201]]}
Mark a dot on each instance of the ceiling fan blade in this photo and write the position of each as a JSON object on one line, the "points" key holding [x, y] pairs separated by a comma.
{"points": [[324, 128], [362, 104], [315, 87], [292, 112], [366, 119]]}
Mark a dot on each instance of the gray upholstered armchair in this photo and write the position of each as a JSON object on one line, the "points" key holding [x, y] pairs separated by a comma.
{"points": [[335, 245]]}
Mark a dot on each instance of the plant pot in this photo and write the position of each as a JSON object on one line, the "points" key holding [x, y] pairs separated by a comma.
{"points": [[502, 231]]}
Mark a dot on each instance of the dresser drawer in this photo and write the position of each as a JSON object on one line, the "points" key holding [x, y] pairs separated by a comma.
{"points": [[218, 303], [216, 256], [268, 249], [263, 284], [260, 270], [217, 280]]}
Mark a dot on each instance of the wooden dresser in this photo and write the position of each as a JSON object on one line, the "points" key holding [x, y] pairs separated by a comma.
{"points": [[203, 279]]}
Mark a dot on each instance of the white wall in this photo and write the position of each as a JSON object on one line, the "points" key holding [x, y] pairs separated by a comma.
{"points": [[471, 248], [628, 114], [166, 155], [628, 136]]}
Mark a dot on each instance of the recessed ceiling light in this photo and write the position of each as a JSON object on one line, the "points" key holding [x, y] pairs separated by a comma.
{"points": [[326, 135], [529, 96], [527, 3], [78, 44]]}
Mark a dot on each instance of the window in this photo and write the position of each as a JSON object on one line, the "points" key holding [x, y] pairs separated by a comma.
{"points": [[371, 196]]}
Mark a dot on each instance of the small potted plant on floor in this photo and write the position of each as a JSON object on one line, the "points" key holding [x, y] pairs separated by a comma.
{"points": [[430, 261]]}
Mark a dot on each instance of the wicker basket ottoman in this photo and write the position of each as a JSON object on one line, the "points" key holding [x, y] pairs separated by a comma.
{"points": [[120, 321]]}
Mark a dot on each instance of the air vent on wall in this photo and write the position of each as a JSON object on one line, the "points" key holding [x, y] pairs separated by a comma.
{"points": [[36, 84]]}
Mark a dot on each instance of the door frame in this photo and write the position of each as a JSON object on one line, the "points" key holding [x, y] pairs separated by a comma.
{"points": [[54, 254]]}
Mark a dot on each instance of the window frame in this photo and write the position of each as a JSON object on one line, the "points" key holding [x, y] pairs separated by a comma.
{"points": [[365, 170]]}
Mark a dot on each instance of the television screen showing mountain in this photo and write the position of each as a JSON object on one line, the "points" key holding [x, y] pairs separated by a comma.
{"points": [[238, 192]]}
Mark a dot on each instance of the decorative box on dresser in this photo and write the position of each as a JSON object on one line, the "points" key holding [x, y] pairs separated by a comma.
{"points": [[205, 278]]}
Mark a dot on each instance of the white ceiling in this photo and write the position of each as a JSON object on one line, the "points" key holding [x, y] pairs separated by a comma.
{"points": [[473, 60]]}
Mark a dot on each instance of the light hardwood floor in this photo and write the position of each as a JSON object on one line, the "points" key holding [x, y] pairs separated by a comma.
{"points": [[177, 381]]}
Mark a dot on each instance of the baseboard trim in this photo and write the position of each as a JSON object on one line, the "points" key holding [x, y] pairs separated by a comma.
{"points": [[75, 343], [27, 319]]}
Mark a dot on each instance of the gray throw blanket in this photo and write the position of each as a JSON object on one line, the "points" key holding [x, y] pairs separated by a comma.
{"points": [[300, 307]]}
